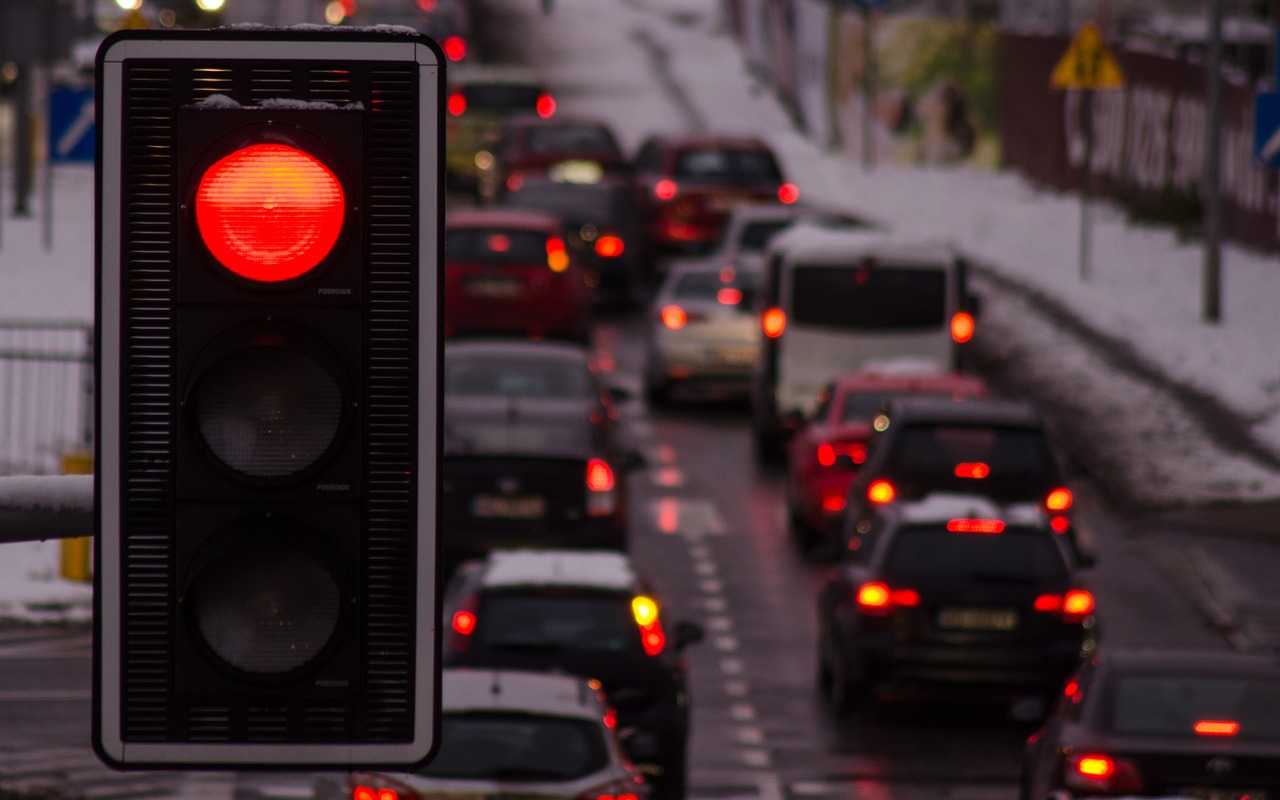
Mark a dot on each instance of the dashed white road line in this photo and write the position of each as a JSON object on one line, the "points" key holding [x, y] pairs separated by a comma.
{"points": [[705, 568], [711, 586], [737, 688], [720, 624], [714, 604], [731, 666], [813, 788], [755, 758], [726, 644], [749, 735], [742, 712]]}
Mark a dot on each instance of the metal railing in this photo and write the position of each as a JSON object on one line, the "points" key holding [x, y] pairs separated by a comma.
{"points": [[46, 394]]}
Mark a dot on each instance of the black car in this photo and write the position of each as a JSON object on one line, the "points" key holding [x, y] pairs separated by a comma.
{"points": [[589, 614], [953, 591], [1152, 723], [531, 450], [600, 226], [995, 448]]}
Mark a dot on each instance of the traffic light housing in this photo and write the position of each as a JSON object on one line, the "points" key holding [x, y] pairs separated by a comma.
{"points": [[269, 217]]}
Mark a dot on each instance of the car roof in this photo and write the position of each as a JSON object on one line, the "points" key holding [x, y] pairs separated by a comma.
{"points": [[520, 692], [891, 377], [502, 217], [523, 120], [515, 347], [812, 243], [586, 569], [940, 507], [1181, 661], [711, 140], [978, 411]]}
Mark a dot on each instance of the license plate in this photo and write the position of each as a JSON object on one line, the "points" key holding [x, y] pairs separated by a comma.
{"points": [[738, 356], [1202, 793], [494, 288], [730, 202], [978, 619], [495, 507], [575, 171]]}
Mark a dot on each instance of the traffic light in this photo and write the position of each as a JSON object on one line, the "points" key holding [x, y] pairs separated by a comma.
{"points": [[269, 211]]}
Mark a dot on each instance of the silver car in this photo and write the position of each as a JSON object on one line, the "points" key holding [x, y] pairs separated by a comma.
{"points": [[749, 230]]}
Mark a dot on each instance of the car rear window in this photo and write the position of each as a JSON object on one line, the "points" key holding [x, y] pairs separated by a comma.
{"points": [[575, 139], [575, 203], [495, 246], [1171, 705], [1018, 555], [858, 298], [706, 285], [930, 453], [557, 622], [756, 235], [515, 376], [727, 165], [503, 98], [517, 747]]}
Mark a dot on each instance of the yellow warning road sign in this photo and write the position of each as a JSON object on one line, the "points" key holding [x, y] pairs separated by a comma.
{"points": [[1087, 64]]}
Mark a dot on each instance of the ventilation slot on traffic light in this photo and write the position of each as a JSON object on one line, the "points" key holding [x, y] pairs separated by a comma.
{"points": [[268, 412]]}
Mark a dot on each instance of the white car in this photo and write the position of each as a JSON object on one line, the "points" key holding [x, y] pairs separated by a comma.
{"points": [[513, 734], [749, 230]]}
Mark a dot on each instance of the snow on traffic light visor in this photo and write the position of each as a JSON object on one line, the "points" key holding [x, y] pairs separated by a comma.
{"points": [[269, 212]]}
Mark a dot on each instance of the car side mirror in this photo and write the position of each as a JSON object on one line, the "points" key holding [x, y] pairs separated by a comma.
{"points": [[619, 394], [687, 633]]}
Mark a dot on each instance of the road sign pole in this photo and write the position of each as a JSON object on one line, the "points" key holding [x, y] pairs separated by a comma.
{"points": [[1211, 287], [868, 90], [1086, 183]]}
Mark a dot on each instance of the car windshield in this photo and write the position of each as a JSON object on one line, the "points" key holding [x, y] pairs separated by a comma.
{"points": [[516, 375], [1018, 555], [930, 454], [876, 299], [1172, 705], [727, 165], [572, 139], [518, 748], [597, 622], [495, 246], [711, 285], [504, 98]]}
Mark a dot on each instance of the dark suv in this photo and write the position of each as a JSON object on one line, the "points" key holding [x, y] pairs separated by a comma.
{"points": [[589, 614]]}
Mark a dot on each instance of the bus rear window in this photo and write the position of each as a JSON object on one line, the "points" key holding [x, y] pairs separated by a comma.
{"points": [[906, 299]]}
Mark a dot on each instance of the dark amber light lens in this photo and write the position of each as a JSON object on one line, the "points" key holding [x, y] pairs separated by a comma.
{"points": [[269, 212]]}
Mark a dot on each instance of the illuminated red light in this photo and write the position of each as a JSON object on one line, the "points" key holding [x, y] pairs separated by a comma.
{"points": [[833, 503], [973, 470], [269, 212], [499, 242], [788, 193], [464, 622], [653, 639], [873, 595], [455, 48], [599, 476], [557, 255], [1072, 691], [1217, 727], [388, 794], [729, 296], [363, 793], [773, 322], [1060, 523], [611, 719], [826, 455], [906, 598], [546, 106], [665, 189], [962, 327], [1096, 766], [610, 246], [1060, 499], [988, 527], [674, 317], [881, 492], [1078, 603], [457, 104], [1049, 603]]}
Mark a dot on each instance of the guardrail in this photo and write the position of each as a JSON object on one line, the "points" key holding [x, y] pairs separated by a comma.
{"points": [[46, 393]]}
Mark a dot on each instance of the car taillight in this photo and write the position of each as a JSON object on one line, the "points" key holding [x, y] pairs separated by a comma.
{"points": [[729, 296], [986, 527], [833, 503], [1060, 499], [1074, 605], [599, 475], [269, 212], [610, 246], [644, 610], [666, 189], [514, 181], [464, 622], [826, 455], [625, 789], [362, 792], [610, 719], [829, 453], [455, 48], [962, 327], [1101, 772], [546, 105], [1216, 727], [457, 104], [557, 255], [877, 597], [973, 470], [773, 322], [788, 193], [1059, 523], [881, 492], [673, 317]]}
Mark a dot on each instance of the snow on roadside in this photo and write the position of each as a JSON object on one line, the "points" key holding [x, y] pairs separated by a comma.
{"points": [[31, 591], [1144, 288]]}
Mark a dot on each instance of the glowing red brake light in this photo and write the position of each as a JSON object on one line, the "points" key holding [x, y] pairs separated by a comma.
{"points": [[1059, 523], [729, 296], [1060, 499], [989, 527], [457, 104], [464, 622], [610, 246], [363, 793], [610, 719], [788, 193], [962, 327], [826, 455], [881, 492], [546, 105], [673, 317], [666, 189], [1099, 772], [773, 322], [973, 470], [833, 503], [1049, 603], [1095, 766], [599, 475], [1217, 727], [1078, 603], [873, 595], [653, 639], [269, 212], [905, 598], [557, 255], [388, 794], [455, 48]]}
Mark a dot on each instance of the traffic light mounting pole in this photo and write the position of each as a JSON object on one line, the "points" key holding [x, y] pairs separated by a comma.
{"points": [[38, 507]]}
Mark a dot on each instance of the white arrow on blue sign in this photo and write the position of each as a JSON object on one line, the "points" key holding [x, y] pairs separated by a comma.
{"points": [[71, 124]]}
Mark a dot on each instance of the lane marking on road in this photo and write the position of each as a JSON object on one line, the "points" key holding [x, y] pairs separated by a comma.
{"points": [[693, 517], [749, 734], [43, 695], [664, 454], [742, 712], [813, 788], [769, 786], [731, 666], [720, 624], [705, 568], [715, 604], [667, 477], [698, 551], [755, 758], [737, 688], [725, 644], [711, 586]]}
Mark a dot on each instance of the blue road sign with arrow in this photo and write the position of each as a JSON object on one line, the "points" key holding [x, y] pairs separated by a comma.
{"points": [[71, 124]]}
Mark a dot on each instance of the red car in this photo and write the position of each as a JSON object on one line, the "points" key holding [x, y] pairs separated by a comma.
{"points": [[687, 186], [825, 454], [510, 272], [566, 149]]}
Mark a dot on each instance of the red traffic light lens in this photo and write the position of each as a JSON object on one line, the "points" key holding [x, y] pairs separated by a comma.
{"points": [[269, 212]]}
